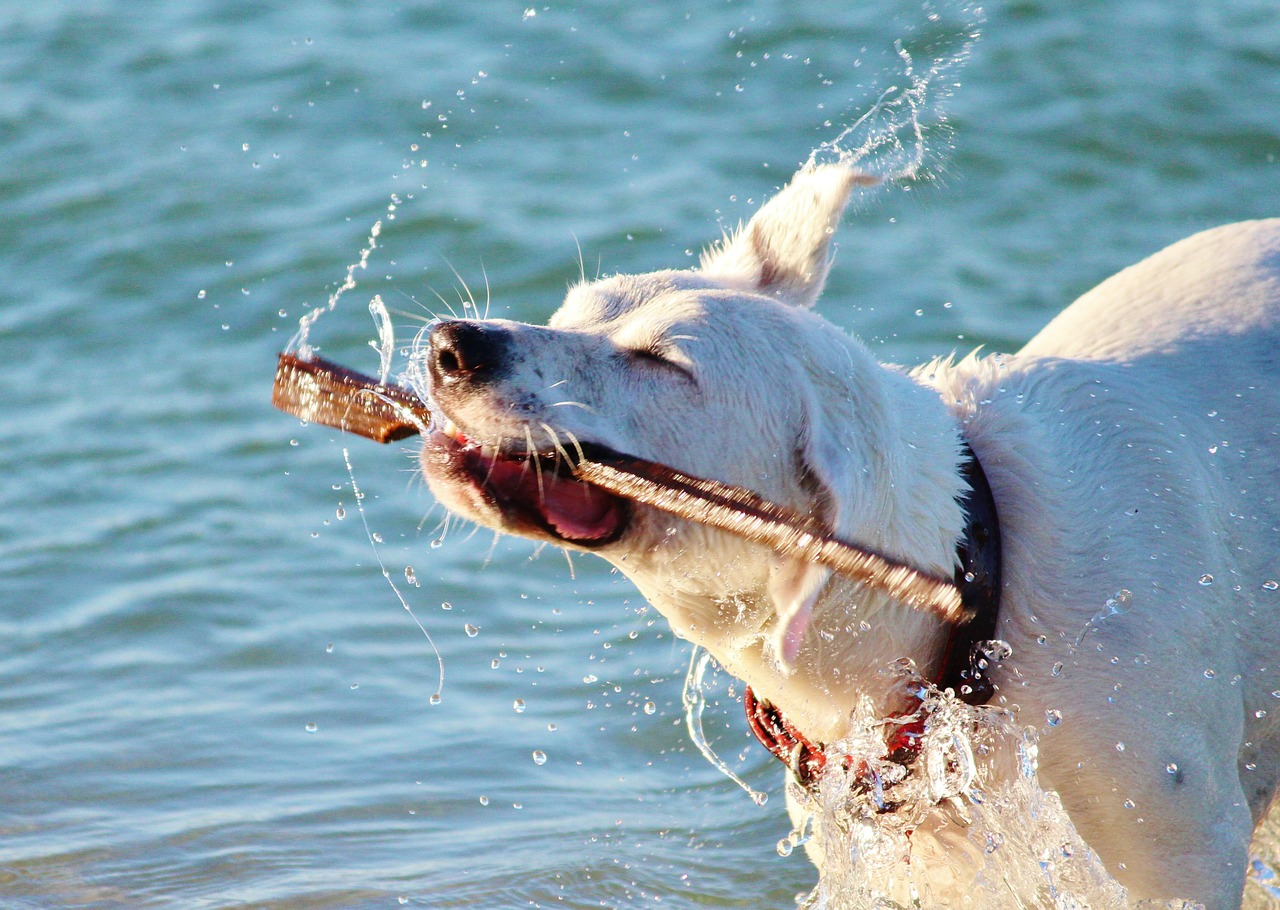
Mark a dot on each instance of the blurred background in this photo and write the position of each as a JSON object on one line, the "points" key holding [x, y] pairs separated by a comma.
{"points": [[209, 695]]}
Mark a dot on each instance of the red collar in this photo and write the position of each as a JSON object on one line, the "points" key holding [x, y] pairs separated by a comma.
{"points": [[963, 664], [807, 759]]}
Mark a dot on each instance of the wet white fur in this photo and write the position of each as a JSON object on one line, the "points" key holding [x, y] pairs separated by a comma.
{"points": [[1132, 445]]}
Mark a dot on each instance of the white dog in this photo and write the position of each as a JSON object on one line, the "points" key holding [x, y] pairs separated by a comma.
{"points": [[1133, 445]]}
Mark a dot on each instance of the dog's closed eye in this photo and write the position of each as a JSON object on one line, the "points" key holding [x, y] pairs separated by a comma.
{"points": [[656, 356]]}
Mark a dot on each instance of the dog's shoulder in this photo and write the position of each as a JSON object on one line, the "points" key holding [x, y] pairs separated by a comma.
{"points": [[1221, 284]]}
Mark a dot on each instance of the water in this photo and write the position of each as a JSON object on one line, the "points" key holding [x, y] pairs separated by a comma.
{"points": [[210, 696]]}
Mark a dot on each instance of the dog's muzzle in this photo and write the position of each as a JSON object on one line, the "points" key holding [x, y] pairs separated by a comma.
{"points": [[514, 483]]}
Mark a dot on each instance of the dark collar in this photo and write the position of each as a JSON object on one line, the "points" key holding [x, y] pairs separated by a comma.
{"points": [[964, 663], [978, 578]]}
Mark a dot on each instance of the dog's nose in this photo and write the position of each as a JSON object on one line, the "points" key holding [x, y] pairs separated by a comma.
{"points": [[466, 351]]}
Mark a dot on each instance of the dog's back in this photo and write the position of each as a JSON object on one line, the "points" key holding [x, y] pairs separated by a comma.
{"points": [[1134, 450], [1219, 286]]}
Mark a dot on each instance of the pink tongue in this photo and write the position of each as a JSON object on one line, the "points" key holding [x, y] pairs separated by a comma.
{"points": [[576, 510]]}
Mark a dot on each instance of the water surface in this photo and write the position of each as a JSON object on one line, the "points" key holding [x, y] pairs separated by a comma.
{"points": [[209, 696]]}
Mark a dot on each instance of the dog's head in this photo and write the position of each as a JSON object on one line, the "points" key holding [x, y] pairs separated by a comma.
{"points": [[720, 371]]}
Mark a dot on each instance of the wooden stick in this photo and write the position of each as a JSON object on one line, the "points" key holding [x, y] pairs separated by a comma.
{"points": [[744, 514], [322, 392]]}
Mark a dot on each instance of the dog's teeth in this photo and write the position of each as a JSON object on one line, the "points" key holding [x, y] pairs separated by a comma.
{"points": [[450, 429]]}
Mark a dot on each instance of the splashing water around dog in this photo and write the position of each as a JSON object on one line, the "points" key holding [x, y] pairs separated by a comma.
{"points": [[906, 124], [993, 833]]}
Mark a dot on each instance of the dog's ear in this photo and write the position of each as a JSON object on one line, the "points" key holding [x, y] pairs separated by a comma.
{"points": [[785, 249], [830, 472], [794, 588]]}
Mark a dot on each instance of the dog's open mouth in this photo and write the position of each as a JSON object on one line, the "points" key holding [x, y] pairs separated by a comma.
{"points": [[531, 491]]}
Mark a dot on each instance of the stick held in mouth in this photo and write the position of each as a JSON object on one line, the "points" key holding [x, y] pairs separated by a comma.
{"points": [[319, 391], [744, 514], [322, 392]]}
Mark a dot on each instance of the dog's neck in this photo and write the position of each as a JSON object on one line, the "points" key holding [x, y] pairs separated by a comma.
{"points": [[910, 510]]}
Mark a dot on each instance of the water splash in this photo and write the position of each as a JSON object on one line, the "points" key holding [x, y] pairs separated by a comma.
{"points": [[300, 342], [386, 573], [970, 825], [906, 124], [386, 343], [694, 704]]}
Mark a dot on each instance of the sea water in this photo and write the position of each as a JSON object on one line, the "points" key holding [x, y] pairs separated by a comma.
{"points": [[211, 696]]}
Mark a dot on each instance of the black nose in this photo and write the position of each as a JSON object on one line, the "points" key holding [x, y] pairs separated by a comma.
{"points": [[465, 351]]}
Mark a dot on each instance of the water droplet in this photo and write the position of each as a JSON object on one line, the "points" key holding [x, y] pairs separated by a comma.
{"points": [[437, 543], [328, 649], [1129, 804], [311, 728], [759, 797], [200, 296], [410, 576], [1206, 580], [1171, 768], [494, 664], [1271, 585], [517, 805], [1260, 713], [518, 705], [1209, 674], [472, 631], [355, 685], [784, 847], [446, 606], [435, 698], [1057, 668], [1251, 766], [650, 707], [551, 727], [994, 840], [1119, 747], [484, 800], [1053, 716], [539, 757], [590, 678], [341, 513]]}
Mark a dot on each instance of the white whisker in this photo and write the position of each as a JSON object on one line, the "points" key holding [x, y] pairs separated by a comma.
{"points": [[555, 442], [573, 404], [582, 265], [493, 546], [573, 440], [537, 464], [446, 304]]}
